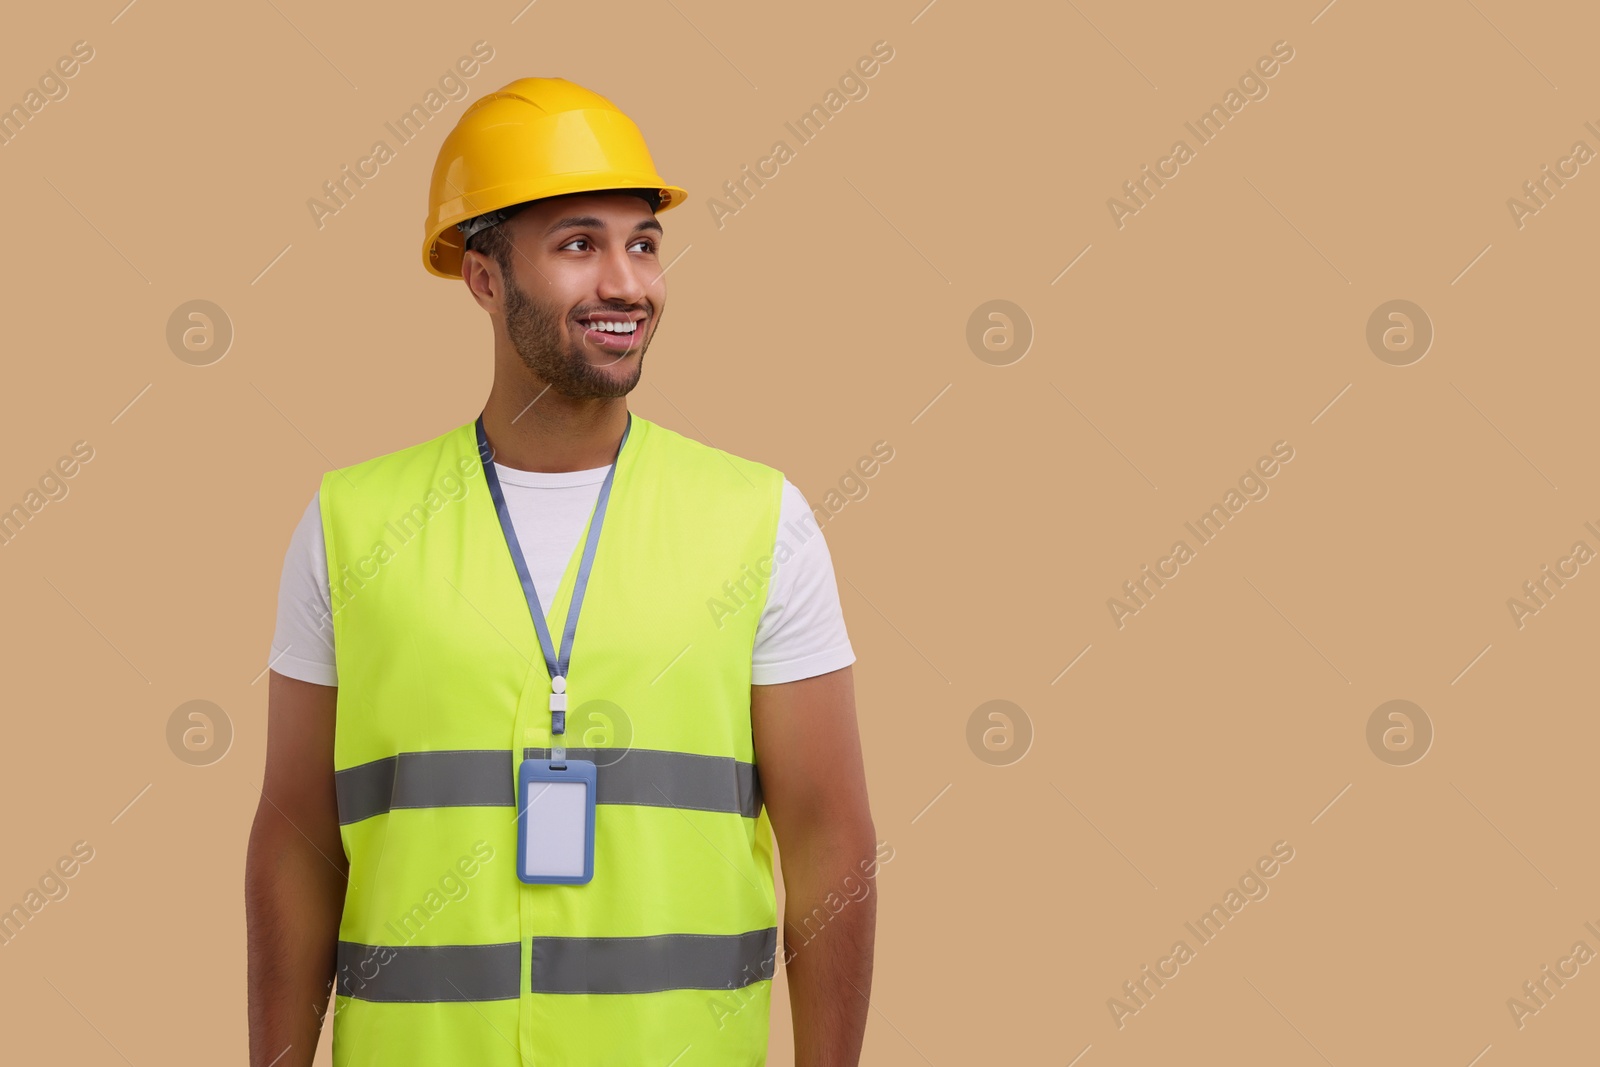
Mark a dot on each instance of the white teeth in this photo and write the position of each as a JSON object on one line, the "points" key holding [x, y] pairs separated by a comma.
{"points": [[614, 327]]}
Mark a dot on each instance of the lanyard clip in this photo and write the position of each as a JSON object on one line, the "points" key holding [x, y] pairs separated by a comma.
{"points": [[558, 705]]}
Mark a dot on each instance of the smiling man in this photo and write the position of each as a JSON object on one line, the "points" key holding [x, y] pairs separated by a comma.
{"points": [[494, 671]]}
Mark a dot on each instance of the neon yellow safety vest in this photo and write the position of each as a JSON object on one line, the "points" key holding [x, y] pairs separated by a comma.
{"points": [[444, 956]]}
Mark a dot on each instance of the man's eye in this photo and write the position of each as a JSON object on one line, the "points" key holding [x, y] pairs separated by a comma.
{"points": [[647, 244]]}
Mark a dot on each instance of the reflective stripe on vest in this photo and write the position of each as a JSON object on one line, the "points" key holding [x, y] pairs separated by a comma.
{"points": [[416, 974], [445, 957], [473, 777]]}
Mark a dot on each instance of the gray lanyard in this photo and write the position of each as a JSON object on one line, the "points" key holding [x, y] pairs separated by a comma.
{"points": [[556, 666]]}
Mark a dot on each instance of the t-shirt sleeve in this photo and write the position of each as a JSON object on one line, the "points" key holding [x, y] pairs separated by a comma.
{"points": [[801, 632], [302, 645]]}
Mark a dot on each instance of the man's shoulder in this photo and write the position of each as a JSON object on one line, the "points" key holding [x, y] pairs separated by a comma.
{"points": [[685, 454], [447, 456]]}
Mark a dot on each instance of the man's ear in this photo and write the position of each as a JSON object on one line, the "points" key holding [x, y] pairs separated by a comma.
{"points": [[481, 275]]}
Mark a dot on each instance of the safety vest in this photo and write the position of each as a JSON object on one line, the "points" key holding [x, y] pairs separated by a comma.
{"points": [[444, 956]]}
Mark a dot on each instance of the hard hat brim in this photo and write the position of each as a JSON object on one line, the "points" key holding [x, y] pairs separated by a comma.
{"points": [[442, 251]]}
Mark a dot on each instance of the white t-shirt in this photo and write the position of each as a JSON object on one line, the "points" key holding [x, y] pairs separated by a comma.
{"points": [[801, 631]]}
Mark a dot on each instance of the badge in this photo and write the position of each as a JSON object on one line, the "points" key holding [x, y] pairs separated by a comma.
{"points": [[555, 821]]}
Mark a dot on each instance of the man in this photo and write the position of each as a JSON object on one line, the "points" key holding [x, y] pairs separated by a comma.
{"points": [[498, 836]]}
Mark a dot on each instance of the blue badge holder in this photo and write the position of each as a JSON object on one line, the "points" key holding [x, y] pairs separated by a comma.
{"points": [[564, 864]]}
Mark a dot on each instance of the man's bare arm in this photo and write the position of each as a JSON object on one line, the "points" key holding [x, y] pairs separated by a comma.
{"points": [[295, 877], [808, 756]]}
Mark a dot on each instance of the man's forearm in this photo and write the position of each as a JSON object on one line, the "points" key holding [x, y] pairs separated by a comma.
{"points": [[830, 918], [293, 900]]}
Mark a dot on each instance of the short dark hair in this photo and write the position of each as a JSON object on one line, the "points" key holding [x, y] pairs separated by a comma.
{"points": [[493, 241]]}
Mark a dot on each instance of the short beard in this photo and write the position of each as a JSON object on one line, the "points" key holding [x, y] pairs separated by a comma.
{"points": [[539, 334]]}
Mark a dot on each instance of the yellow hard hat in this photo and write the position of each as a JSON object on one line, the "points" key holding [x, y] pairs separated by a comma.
{"points": [[533, 138]]}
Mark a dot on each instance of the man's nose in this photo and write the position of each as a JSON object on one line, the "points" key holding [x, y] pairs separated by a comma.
{"points": [[622, 280]]}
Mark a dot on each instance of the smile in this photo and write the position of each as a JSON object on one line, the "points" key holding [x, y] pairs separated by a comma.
{"points": [[612, 332]]}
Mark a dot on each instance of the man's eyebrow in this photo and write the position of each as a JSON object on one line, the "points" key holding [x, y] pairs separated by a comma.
{"points": [[592, 223]]}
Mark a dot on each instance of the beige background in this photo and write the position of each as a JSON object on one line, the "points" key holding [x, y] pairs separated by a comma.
{"points": [[831, 312]]}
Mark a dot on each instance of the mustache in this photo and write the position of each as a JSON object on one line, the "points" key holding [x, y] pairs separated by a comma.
{"points": [[614, 309]]}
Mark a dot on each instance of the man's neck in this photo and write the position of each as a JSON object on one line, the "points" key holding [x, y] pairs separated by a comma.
{"points": [[555, 433]]}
